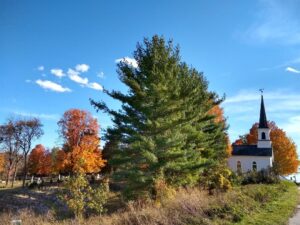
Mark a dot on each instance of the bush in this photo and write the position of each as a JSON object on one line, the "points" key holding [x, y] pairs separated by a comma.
{"points": [[267, 176], [81, 198], [163, 191], [33, 185], [217, 178]]}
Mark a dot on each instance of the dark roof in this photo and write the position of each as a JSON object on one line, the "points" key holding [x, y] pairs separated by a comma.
{"points": [[250, 150], [263, 123]]}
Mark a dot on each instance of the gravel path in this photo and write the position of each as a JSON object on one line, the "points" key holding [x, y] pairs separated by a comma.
{"points": [[295, 220]]}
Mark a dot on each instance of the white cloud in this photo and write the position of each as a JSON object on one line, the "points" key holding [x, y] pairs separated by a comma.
{"points": [[41, 68], [129, 61], [292, 70], [57, 72], [74, 76], [46, 84], [38, 115], [276, 21], [95, 86], [28, 81], [82, 68]]}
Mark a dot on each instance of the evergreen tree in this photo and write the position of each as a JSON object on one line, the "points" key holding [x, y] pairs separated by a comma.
{"points": [[164, 130]]}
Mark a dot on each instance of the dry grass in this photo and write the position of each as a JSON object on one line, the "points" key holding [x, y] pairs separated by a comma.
{"points": [[188, 206]]}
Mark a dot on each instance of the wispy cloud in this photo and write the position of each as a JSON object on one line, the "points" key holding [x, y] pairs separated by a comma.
{"points": [[95, 86], [282, 106], [129, 61], [74, 76], [41, 68], [276, 20], [286, 64], [292, 125], [49, 85], [82, 67], [100, 74], [38, 115], [57, 72], [292, 70], [251, 95]]}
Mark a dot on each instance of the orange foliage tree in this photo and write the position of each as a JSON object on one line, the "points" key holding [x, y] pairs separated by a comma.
{"points": [[284, 148], [58, 158], [218, 113], [79, 130], [40, 161]]}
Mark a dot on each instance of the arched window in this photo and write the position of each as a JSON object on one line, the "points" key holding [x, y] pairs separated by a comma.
{"points": [[263, 136], [254, 166], [239, 167]]}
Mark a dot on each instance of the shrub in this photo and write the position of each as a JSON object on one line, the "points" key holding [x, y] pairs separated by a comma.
{"points": [[162, 191], [267, 176], [33, 185], [81, 198], [217, 178]]}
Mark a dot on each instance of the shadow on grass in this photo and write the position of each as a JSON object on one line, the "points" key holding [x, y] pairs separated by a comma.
{"points": [[46, 202], [40, 202]]}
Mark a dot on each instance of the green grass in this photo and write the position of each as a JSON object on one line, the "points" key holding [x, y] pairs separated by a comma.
{"points": [[282, 201]]}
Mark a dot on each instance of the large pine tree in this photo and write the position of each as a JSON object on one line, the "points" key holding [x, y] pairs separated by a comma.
{"points": [[164, 130]]}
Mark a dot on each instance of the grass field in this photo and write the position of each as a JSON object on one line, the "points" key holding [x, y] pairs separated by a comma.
{"points": [[250, 204]]}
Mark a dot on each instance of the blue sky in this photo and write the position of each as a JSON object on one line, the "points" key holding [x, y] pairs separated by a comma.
{"points": [[55, 55]]}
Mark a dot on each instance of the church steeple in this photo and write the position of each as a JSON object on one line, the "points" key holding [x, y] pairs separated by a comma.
{"points": [[263, 130], [263, 123]]}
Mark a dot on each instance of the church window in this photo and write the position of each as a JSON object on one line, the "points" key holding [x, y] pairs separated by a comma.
{"points": [[254, 166], [263, 136]]}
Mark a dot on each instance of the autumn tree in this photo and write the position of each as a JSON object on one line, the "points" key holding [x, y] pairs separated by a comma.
{"points": [[58, 158], [2, 163], [40, 161], [79, 131], [163, 131], [284, 148], [10, 144], [27, 131]]}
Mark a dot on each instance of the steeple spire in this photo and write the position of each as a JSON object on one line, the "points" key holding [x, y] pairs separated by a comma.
{"points": [[263, 123]]}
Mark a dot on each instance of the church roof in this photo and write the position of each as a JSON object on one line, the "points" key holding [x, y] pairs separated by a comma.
{"points": [[250, 150], [263, 123]]}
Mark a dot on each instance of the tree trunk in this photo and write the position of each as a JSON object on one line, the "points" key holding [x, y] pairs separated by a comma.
{"points": [[25, 170], [14, 176], [9, 169], [7, 177]]}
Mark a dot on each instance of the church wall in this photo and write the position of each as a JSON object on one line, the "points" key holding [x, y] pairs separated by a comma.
{"points": [[262, 162]]}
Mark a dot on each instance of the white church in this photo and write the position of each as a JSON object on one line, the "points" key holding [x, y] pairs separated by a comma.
{"points": [[257, 157]]}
